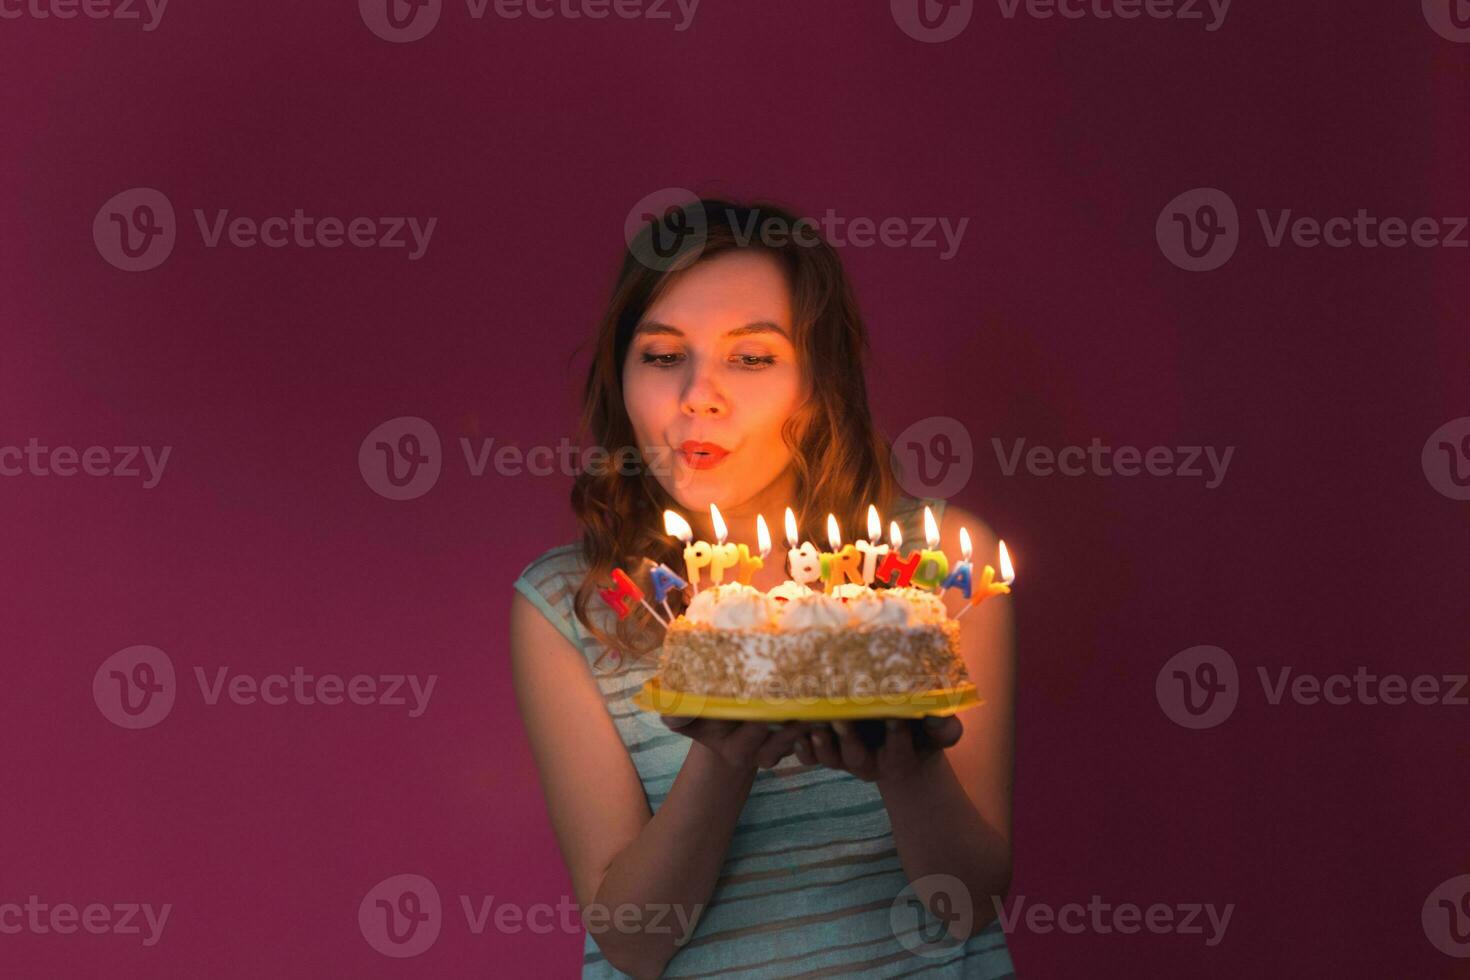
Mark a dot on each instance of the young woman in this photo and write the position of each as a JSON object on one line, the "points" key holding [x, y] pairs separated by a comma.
{"points": [[734, 365]]}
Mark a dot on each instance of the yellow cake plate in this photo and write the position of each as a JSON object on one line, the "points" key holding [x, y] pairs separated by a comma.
{"points": [[940, 701]]}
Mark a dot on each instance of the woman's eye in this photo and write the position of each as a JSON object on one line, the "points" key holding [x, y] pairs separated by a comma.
{"points": [[661, 360], [754, 361]]}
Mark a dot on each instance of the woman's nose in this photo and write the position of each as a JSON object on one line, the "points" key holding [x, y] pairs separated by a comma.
{"points": [[703, 397]]}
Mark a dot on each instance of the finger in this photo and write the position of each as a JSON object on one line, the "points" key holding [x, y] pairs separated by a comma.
{"points": [[777, 745], [803, 750], [677, 722], [824, 748], [943, 732], [856, 758], [745, 739], [898, 753]]}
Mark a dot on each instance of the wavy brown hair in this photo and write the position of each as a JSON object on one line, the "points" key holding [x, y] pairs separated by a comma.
{"points": [[840, 461]]}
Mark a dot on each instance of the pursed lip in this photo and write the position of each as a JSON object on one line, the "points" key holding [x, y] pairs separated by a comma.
{"points": [[702, 455]]}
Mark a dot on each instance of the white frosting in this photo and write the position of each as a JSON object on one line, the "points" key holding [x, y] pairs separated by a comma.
{"points": [[789, 590], [925, 607], [879, 609], [850, 590], [731, 606], [812, 610]]}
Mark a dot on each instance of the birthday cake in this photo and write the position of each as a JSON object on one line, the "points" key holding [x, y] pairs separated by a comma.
{"points": [[737, 641], [876, 627]]}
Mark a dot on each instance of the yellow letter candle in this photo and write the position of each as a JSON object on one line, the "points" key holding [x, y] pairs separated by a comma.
{"points": [[696, 555], [722, 556], [748, 565], [843, 564], [987, 586]]}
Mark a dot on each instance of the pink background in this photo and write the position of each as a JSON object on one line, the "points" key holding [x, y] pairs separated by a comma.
{"points": [[262, 548]]}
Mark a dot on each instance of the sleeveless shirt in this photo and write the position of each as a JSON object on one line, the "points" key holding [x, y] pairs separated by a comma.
{"points": [[811, 885]]}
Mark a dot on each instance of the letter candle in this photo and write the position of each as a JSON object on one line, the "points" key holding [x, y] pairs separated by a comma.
{"points": [[871, 548], [960, 577], [664, 578], [933, 564], [987, 585], [748, 565], [892, 564], [806, 566], [842, 564], [696, 553], [625, 590], [722, 555]]}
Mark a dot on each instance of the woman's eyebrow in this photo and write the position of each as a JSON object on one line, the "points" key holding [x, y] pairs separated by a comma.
{"points": [[760, 326]]}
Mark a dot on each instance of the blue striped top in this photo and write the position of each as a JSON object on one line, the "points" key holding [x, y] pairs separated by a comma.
{"points": [[811, 886]]}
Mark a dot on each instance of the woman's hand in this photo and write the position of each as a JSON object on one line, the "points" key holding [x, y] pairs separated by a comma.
{"points": [[743, 745], [906, 746]]}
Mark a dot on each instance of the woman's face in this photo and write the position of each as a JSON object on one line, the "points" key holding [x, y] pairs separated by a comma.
{"points": [[710, 379]]}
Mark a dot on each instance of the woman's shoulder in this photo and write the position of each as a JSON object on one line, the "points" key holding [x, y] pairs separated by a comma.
{"points": [[550, 583], [561, 562]]}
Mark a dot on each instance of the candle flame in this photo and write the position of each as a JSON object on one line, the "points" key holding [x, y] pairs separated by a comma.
{"points": [[790, 528], [875, 526], [675, 526], [834, 536], [895, 536], [762, 535], [964, 544], [1007, 570], [931, 529], [719, 523]]}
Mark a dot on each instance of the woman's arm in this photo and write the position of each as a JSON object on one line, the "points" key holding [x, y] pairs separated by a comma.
{"points": [[951, 810], [658, 869]]}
